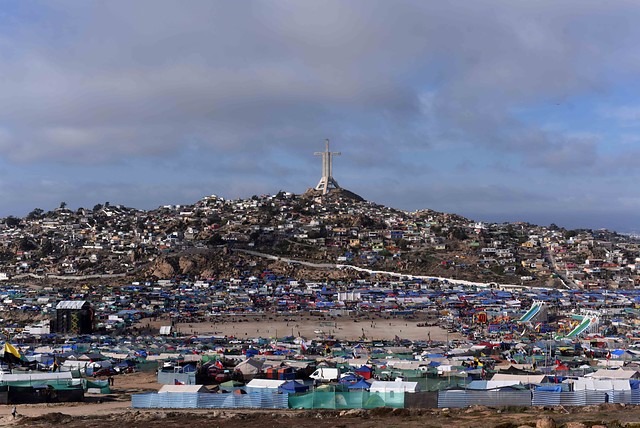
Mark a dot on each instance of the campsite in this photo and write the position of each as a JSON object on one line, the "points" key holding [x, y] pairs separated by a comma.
{"points": [[417, 348]]}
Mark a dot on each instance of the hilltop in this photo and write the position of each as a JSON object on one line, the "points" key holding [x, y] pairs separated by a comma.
{"points": [[202, 240]]}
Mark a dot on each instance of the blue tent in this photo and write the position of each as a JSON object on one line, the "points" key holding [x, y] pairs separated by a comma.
{"points": [[292, 387], [350, 378], [361, 384]]}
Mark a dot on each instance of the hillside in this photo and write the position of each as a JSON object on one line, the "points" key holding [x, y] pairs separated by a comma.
{"points": [[201, 241]]}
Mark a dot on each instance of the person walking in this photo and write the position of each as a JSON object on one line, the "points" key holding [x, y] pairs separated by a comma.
{"points": [[14, 412]]}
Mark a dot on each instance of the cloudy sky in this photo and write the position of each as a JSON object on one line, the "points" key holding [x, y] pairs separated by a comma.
{"points": [[496, 110]]}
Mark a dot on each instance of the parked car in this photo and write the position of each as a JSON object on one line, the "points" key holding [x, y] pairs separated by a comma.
{"points": [[105, 371]]}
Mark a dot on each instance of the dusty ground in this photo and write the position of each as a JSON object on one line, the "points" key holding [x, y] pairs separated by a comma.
{"points": [[114, 409], [309, 328]]}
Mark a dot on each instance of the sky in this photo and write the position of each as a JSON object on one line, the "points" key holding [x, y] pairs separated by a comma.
{"points": [[495, 110]]}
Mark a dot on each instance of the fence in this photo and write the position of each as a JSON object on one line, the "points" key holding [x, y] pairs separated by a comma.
{"points": [[573, 398], [346, 400], [493, 398], [497, 398], [208, 401], [626, 397], [585, 397], [369, 400], [421, 400]]}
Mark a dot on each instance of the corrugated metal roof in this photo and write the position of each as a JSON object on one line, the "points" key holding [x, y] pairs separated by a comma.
{"points": [[71, 304]]}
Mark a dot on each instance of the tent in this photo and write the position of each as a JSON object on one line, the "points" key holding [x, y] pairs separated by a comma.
{"points": [[264, 384], [183, 389], [615, 374], [393, 386], [361, 384], [230, 385], [523, 379], [293, 386], [349, 378], [364, 371], [249, 368], [582, 383]]}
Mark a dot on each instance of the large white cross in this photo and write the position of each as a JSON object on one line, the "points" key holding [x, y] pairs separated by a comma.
{"points": [[327, 181]]}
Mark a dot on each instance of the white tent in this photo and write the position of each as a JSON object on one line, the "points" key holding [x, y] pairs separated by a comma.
{"points": [[523, 379], [183, 389], [393, 386], [36, 376], [591, 384], [615, 374], [265, 384]]}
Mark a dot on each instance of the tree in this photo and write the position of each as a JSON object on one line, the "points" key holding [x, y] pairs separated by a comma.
{"points": [[25, 244], [36, 213], [216, 239], [46, 248], [458, 233], [12, 221], [63, 205]]}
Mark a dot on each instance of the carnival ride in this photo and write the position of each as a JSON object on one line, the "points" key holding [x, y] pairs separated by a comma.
{"points": [[535, 310], [589, 321]]}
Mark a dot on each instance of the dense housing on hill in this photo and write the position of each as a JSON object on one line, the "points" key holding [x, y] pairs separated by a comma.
{"points": [[340, 227]]}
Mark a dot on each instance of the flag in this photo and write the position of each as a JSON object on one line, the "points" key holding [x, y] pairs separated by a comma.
{"points": [[608, 355], [303, 346], [11, 355], [177, 382]]}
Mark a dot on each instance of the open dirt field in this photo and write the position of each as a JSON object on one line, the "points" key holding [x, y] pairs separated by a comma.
{"points": [[114, 410], [309, 328]]}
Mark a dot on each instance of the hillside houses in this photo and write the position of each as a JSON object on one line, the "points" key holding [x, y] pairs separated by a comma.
{"points": [[116, 239]]}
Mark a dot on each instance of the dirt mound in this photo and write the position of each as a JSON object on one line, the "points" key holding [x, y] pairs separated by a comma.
{"points": [[49, 419]]}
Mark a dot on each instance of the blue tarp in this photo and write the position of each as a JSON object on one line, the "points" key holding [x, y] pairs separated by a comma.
{"points": [[549, 388]]}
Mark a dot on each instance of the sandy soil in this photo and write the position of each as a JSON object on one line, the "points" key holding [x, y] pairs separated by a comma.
{"points": [[309, 328]]}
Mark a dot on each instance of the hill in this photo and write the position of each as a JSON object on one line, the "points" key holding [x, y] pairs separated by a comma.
{"points": [[207, 239]]}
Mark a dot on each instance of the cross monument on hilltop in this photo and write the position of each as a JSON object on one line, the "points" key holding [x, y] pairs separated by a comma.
{"points": [[327, 181]]}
